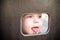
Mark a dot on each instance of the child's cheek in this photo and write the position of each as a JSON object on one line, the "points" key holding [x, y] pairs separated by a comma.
{"points": [[29, 21]]}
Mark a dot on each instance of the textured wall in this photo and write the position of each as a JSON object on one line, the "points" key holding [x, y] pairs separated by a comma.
{"points": [[11, 11]]}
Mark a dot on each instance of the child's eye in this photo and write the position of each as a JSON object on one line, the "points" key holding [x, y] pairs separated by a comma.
{"points": [[29, 16], [39, 16]]}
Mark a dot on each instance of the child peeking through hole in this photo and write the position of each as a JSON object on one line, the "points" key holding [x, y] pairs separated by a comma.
{"points": [[31, 23]]}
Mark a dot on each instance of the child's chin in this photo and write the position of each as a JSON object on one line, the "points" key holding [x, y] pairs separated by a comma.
{"points": [[31, 33], [35, 33]]}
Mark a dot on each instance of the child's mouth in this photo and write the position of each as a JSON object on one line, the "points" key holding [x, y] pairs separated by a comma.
{"points": [[35, 29]]}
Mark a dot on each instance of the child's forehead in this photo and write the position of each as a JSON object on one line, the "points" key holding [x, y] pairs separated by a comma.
{"points": [[31, 14]]}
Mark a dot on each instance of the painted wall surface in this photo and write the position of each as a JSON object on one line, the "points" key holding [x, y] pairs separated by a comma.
{"points": [[11, 11]]}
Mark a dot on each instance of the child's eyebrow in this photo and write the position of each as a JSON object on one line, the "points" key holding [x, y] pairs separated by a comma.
{"points": [[27, 15]]}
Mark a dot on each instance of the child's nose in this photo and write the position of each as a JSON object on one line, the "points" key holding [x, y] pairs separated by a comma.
{"points": [[36, 20]]}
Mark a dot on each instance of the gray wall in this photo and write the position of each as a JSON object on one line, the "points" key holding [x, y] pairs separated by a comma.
{"points": [[11, 11]]}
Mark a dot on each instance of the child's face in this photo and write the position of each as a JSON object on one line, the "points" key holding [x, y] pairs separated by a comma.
{"points": [[31, 23]]}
